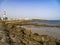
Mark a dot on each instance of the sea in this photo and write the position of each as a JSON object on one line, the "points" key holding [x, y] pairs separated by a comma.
{"points": [[53, 22], [51, 31]]}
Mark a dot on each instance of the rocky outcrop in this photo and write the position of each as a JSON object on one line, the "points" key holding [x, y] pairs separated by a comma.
{"points": [[11, 34]]}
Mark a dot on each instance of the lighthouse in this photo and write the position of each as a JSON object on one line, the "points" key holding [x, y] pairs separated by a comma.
{"points": [[4, 16]]}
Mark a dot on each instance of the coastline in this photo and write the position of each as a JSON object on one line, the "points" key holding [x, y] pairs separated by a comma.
{"points": [[41, 29]]}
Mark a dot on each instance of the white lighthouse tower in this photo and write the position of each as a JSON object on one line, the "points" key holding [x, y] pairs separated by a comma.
{"points": [[4, 16]]}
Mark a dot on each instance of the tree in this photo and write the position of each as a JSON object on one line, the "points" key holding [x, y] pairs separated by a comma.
{"points": [[0, 18], [5, 18]]}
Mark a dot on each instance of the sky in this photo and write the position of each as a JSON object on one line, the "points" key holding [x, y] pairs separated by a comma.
{"points": [[34, 9]]}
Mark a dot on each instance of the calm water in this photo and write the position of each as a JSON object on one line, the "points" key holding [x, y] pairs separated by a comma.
{"points": [[54, 22], [51, 31]]}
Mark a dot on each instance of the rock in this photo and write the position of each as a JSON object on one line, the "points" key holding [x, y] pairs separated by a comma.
{"points": [[16, 35]]}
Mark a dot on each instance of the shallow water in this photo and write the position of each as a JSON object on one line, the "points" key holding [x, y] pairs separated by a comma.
{"points": [[51, 31], [51, 22]]}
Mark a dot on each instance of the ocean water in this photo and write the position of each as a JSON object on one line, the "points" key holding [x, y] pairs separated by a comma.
{"points": [[51, 31], [54, 22]]}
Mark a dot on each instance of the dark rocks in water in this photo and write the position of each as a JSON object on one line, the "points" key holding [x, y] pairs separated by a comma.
{"points": [[36, 34], [16, 35]]}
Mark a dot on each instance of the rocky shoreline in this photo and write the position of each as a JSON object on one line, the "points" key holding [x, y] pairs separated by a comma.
{"points": [[12, 34]]}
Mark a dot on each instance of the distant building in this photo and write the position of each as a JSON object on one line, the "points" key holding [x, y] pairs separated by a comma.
{"points": [[27, 19]]}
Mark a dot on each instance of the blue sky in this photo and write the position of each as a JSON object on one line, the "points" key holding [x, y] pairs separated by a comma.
{"points": [[41, 9]]}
